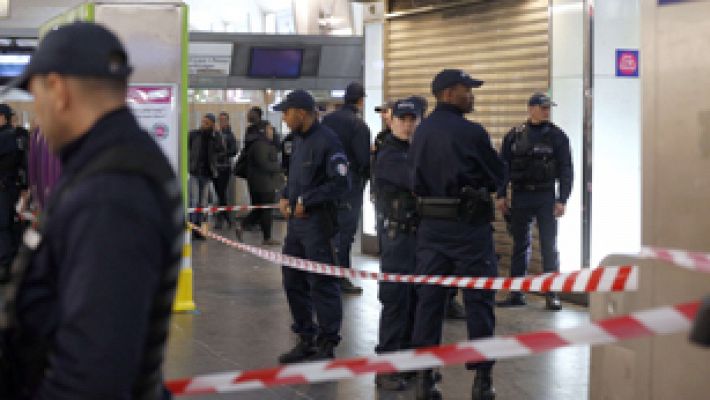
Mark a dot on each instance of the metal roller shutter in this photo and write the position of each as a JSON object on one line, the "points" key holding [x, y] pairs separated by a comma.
{"points": [[503, 42]]}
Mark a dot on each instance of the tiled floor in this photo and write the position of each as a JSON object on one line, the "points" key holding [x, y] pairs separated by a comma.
{"points": [[243, 323]]}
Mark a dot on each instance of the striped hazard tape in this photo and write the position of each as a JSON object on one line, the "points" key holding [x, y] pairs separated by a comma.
{"points": [[609, 279], [658, 321], [211, 210]]}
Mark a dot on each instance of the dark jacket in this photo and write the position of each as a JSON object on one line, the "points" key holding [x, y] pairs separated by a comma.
{"points": [[224, 160], [318, 170], [355, 137], [90, 287], [10, 155], [450, 152], [561, 153], [200, 164], [264, 173]]}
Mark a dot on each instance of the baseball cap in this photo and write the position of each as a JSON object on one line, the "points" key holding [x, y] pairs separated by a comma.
{"points": [[211, 117], [406, 107], [297, 99], [354, 92], [78, 49], [541, 99], [421, 101], [451, 77], [5, 110], [384, 107]]}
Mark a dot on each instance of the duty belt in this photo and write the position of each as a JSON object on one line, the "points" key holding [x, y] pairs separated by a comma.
{"points": [[439, 207], [533, 187]]}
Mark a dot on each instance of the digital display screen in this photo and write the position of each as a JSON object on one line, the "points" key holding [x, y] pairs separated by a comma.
{"points": [[275, 63], [12, 65]]}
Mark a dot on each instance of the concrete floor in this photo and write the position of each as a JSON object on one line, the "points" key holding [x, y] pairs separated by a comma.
{"points": [[243, 323]]}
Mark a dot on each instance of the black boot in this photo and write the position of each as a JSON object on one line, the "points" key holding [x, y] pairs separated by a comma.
{"points": [[395, 382], [324, 351], [304, 350], [426, 386], [483, 386], [348, 287], [454, 309], [515, 299], [552, 302]]}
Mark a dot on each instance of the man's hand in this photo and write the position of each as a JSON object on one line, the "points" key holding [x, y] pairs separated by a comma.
{"points": [[300, 211], [559, 209], [284, 208], [502, 205]]}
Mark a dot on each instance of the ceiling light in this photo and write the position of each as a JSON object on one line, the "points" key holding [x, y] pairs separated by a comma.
{"points": [[4, 8]]}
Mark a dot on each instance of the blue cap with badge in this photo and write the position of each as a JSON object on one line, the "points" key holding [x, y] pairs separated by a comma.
{"points": [[541, 99], [78, 49], [406, 107], [452, 77], [297, 99]]}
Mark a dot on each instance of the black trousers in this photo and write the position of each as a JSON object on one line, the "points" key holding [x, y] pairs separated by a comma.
{"points": [[265, 217], [221, 183]]}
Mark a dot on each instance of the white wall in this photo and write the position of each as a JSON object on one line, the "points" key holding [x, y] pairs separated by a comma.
{"points": [[616, 176], [567, 92]]}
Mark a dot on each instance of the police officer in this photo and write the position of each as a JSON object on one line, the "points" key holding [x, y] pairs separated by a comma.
{"points": [[10, 159], [93, 289], [318, 178], [455, 167], [396, 224], [355, 137], [538, 158]]}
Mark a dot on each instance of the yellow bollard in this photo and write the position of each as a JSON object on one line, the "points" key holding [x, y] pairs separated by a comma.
{"points": [[183, 295]]}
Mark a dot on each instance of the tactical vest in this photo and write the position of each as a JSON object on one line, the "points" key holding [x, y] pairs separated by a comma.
{"points": [[533, 165], [148, 385]]}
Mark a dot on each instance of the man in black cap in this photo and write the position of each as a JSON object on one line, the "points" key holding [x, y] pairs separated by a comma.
{"points": [[10, 160], [317, 179], [539, 167], [396, 226], [206, 147], [455, 169], [91, 292], [355, 136]]}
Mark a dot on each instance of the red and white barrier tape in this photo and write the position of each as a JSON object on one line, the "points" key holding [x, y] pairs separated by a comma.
{"points": [[686, 259], [658, 321], [210, 210], [609, 279]]}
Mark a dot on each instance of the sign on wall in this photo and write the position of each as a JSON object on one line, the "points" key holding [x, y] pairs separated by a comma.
{"points": [[627, 63], [155, 107]]}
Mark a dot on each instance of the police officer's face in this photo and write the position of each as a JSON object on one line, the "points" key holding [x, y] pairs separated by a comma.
{"points": [[460, 96], [207, 124], [387, 118], [539, 113], [252, 117], [403, 127], [51, 102], [3, 120], [293, 119]]}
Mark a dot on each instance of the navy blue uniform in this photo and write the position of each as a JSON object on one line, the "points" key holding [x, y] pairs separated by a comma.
{"points": [[535, 198], [318, 175], [89, 290], [355, 137], [448, 153], [396, 231]]}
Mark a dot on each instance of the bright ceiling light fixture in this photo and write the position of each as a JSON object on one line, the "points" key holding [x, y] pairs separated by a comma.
{"points": [[4, 8]]}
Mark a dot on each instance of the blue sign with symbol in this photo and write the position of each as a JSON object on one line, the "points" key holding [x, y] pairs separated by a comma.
{"points": [[627, 63]]}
